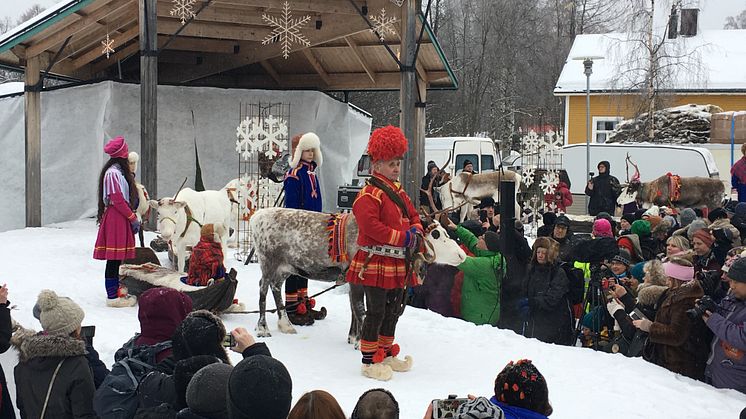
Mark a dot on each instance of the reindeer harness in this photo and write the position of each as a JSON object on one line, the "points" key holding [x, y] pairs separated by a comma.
{"points": [[189, 217]]}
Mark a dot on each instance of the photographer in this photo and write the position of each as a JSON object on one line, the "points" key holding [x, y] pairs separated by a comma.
{"points": [[726, 366], [487, 214]]}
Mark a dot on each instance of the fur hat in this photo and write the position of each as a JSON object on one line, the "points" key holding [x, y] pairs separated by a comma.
{"points": [[376, 403], [58, 315], [201, 333], [117, 148], [387, 143], [548, 243], [307, 141], [661, 227], [206, 393], [259, 387], [133, 158], [479, 408], [521, 384]]}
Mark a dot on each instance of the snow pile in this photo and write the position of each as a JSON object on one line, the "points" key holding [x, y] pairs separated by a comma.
{"points": [[450, 356], [677, 125]]}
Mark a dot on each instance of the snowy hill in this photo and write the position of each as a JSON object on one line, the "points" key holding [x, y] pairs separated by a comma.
{"points": [[451, 356]]}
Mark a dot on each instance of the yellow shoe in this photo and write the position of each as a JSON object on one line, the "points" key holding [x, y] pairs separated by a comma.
{"points": [[380, 372]]}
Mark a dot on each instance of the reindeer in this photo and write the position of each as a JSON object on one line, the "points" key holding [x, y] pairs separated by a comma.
{"points": [[467, 189], [673, 191], [295, 242]]}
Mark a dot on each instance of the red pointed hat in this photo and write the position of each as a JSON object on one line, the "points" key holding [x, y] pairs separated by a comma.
{"points": [[117, 148], [387, 143]]}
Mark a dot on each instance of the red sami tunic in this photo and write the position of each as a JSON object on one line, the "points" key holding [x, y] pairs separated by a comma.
{"points": [[381, 222]]}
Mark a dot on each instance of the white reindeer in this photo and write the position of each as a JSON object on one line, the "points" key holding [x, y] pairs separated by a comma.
{"points": [[466, 189], [180, 218]]}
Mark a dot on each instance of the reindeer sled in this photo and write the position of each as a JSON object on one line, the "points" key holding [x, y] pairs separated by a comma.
{"points": [[217, 298]]}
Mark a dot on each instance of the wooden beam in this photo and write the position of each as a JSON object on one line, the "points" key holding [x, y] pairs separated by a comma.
{"points": [[275, 6], [267, 66], [337, 81], [421, 70], [316, 65], [149, 96], [32, 112], [95, 52], [358, 54], [214, 13], [413, 164], [114, 58], [91, 37], [214, 30], [59, 37], [217, 46]]}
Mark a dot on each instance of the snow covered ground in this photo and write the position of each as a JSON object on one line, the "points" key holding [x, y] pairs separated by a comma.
{"points": [[451, 356]]}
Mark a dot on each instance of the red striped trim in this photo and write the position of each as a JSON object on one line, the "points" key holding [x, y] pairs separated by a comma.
{"points": [[367, 346]]}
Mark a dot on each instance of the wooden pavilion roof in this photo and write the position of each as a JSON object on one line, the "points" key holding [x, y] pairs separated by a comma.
{"points": [[222, 45]]}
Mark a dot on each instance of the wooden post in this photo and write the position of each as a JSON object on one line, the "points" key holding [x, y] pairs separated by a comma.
{"points": [[149, 97], [32, 104], [413, 165]]}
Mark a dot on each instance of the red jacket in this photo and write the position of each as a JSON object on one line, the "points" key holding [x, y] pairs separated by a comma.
{"points": [[381, 222], [562, 197]]}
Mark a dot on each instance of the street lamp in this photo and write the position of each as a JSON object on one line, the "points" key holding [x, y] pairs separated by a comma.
{"points": [[587, 70]]}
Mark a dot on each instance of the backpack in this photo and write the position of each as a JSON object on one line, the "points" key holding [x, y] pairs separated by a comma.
{"points": [[575, 281], [116, 397]]}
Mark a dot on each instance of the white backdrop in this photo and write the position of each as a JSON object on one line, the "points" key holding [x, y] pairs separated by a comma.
{"points": [[77, 121]]}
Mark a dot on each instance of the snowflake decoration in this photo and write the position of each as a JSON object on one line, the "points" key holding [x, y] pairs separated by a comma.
{"points": [[527, 177], [108, 45], [530, 143], [275, 135], [549, 182], [383, 25], [183, 10], [286, 29], [398, 2], [248, 132], [268, 135], [248, 193]]}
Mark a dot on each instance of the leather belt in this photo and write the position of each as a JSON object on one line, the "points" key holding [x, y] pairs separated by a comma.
{"points": [[385, 250]]}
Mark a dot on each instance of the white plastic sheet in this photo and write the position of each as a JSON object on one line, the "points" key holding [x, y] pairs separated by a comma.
{"points": [[77, 121]]}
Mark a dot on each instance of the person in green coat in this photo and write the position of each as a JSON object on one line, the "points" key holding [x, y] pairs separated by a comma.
{"points": [[483, 274]]}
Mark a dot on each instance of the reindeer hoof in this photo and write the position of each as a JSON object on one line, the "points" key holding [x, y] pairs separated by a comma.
{"points": [[285, 327], [262, 331]]}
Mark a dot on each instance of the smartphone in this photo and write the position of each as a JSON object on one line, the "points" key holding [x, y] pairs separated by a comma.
{"points": [[483, 215], [229, 341], [447, 408], [87, 333], [636, 314]]}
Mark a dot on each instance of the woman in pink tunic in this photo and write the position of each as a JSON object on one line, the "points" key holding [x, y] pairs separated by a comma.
{"points": [[117, 223]]}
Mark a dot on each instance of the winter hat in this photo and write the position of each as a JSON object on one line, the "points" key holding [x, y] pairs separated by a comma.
{"points": [[474, 226], [654, 221], [661, 227], [704, 236], [467, 162], [680, 272], [117, 148], [562, 220], [207, 231], [307, 141], [387, 143], [430, 166], [717, 214], [623, 257], [520, 384], [486, 203], [201, 333], [58, 315], [259, 387], [479, 408], [630, 218], [638, 271], [737, 271], [549, 218], [653, 210], [606, 216], [697, 224], [492, 240], [741, 210], [185, 370], [686, 216], [376, 403], [160, 312], [605, 163], [602, 228], [641, 228]]}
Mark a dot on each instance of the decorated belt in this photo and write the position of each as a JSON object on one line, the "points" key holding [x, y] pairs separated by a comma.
{"points": [[385, 250]]}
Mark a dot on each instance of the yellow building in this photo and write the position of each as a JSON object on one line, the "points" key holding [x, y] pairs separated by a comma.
{"points": [[708, 68]]}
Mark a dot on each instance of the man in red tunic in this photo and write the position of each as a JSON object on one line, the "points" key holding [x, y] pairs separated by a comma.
{"points": [[388, 224]]}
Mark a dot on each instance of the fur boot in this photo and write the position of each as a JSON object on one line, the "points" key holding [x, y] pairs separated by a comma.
{"points": [[397, 364], [381, 372], [125, 301]]}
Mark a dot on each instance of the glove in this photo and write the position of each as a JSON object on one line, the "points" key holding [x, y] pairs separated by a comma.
{"points": [[613, 306], [410, 239], [135, 225], [523, 308]]}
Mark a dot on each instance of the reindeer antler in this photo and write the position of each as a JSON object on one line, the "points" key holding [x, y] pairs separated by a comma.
{"points": [[181, 187], [636, 176]]}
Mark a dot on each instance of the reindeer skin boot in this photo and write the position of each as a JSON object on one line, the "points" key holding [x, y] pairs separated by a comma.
{"points": [[380, 371]]}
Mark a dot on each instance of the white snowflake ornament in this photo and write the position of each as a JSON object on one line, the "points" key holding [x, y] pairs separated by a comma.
{"points": [[286, 29], [247, 132], [527, 176], [108, 45], [183, 9], [530, 143], [549, 182], [398, 3], [383, 25], [268, 136]]}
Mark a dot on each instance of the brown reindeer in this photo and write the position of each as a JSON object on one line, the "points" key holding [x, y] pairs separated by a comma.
{"points": [[673, 191]]}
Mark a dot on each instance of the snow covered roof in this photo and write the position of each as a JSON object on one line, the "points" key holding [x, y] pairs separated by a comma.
{"points": [[11, 87], [712, 61]]}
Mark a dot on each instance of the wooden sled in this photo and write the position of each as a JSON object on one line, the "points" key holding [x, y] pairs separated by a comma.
{"points": [[216, 298]]}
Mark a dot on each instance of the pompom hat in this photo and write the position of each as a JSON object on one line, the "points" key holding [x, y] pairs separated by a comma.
{"points": [[387, 143], [117, 148], [58, 315]]}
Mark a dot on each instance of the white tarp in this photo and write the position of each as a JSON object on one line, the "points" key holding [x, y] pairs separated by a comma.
{"points": [[77, 121]]}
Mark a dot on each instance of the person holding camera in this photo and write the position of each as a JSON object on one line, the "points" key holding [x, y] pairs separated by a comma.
{"points": [[564, 237], [674, 340], [704, 258], [603, 189], [726, 366], [488, 216]]}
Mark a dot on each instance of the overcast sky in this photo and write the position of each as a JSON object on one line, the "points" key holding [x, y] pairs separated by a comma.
{"points": [[712, 16]]}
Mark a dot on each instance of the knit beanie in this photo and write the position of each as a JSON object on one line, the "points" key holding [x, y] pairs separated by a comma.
{"points": [[704, 236], [201, 333], [492, 240], [637, 271], [737, 271], [474, 226], [207, 391], [686, 216], [521, 384], [602, 228], [717, 214], [117, 148], [259, 387], [641, 228], [479, 408], [630, 218], [58, 315], [549, 218], [562, 220], [623, 257], [695, 225]]}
